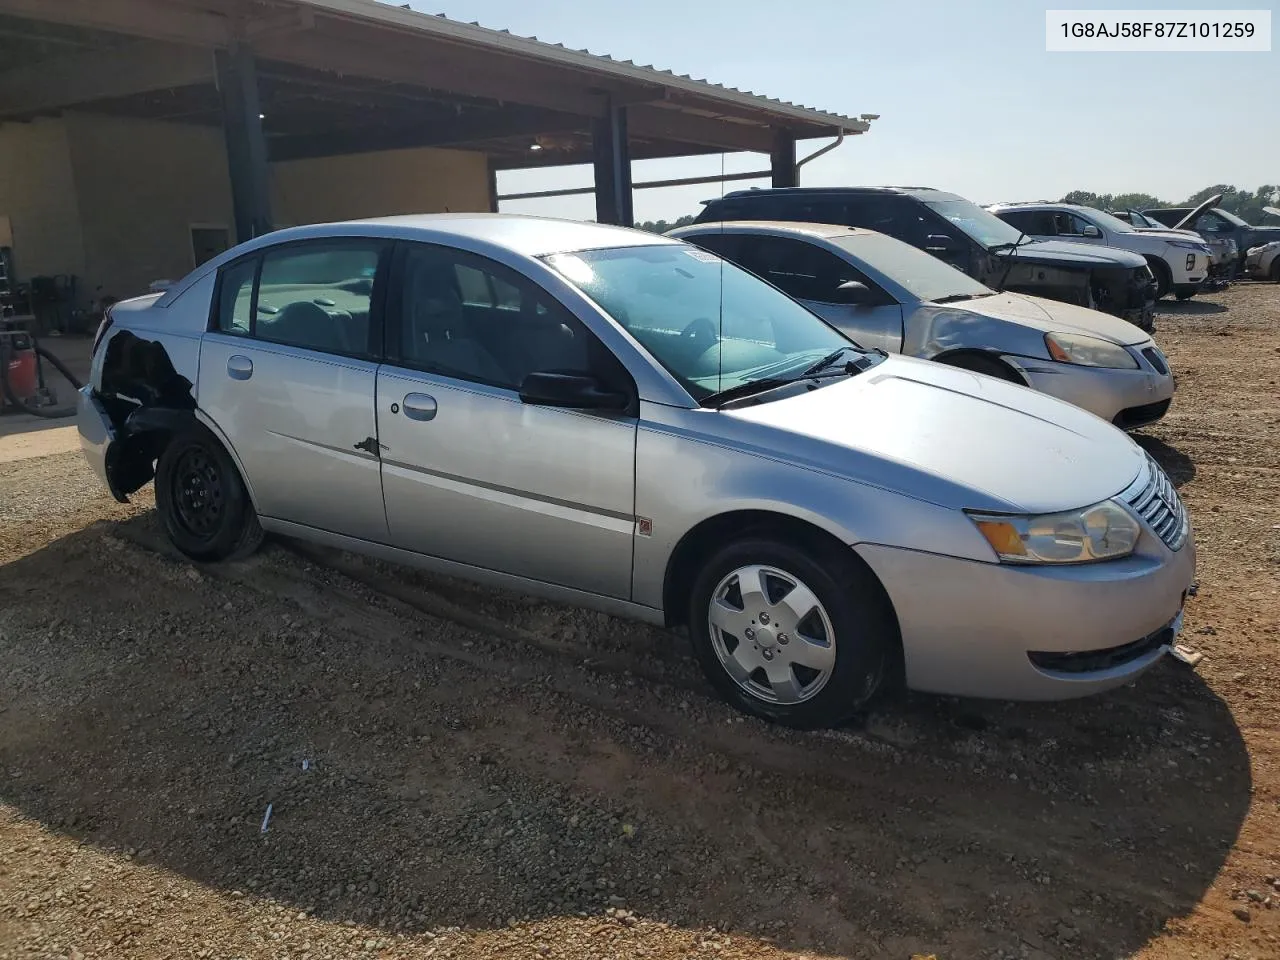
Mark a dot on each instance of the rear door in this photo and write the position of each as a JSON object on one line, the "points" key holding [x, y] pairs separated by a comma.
{"points": [[288, 371], [471, 473]]}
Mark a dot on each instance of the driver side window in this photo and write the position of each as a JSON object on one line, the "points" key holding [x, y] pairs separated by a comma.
{"points": [[802, 270], [469, 318], [1069, 225]]}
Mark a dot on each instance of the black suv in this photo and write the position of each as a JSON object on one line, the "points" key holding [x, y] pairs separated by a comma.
{"points": [[967, 237]]}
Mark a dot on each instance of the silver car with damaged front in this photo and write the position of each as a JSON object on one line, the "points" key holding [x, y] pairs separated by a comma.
{"points": [[614, 419], [888, 294]]}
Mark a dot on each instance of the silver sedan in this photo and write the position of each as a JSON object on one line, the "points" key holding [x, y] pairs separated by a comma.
{"points": [[888, 294], [610, 418]]}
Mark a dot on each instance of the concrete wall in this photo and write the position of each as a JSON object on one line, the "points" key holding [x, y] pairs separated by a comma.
{"points": [[141, 186], [38, 195], [424, 180]]}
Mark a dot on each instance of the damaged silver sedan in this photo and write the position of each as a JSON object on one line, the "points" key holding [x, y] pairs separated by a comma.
{"points": [[889, 295]]}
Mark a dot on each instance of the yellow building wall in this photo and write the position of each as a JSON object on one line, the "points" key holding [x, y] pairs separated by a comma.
{"points": [[38, 197], [422, 180], [142, 185]]}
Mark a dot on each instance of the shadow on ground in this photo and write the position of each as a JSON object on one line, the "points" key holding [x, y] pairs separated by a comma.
{"points": [[1180, 468], [1189, 308], [457, 780]]}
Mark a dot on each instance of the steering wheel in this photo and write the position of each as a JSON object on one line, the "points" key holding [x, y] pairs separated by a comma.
{"points": [[699, 330]]}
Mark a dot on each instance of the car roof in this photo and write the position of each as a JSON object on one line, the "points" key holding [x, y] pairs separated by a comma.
{"points": [[931, 193], [823, 231], [529, 236], [1039, 204]]}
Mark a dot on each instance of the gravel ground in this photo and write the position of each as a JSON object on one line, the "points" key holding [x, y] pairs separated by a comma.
{"points": [[454, 773]]}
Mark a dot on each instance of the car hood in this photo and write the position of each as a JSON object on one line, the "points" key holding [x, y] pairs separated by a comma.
{"points": [[1180, 235], [951, 437], [1074, 254], [1049, 316]]}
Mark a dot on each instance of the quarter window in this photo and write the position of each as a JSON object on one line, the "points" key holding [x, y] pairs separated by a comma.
{"points": [[235, 297]]}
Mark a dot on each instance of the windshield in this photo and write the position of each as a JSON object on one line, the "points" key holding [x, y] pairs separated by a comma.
{"points": [[923, 274], [988, 229], [711, 324], [1141, 220], [1107, 221], [1229, 217]]}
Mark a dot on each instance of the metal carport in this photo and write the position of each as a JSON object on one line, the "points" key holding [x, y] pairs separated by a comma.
{"points": [[292, 79]]}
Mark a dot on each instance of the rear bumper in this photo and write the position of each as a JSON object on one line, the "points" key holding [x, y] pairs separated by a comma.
{"points": [[1033, 633], [96, 432]]}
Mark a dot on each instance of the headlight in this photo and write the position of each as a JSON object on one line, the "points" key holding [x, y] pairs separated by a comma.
{"points": [[1101, 532], [1088, 351], [1190, 245]]}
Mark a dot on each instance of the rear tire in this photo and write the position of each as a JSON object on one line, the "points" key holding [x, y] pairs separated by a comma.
{"points": [[793, 637], [980, 363], [202, 500]]}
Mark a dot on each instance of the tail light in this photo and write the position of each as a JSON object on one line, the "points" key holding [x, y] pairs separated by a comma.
{"points": [[103, 327]]}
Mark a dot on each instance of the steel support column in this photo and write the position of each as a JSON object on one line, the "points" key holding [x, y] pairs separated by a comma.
{"points": [[246, 146], [782, 160], [612, 160], [493, 188]]}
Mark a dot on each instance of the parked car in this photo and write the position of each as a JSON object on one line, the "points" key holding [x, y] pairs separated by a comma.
{"points": [[1224, 255], [611, 418], [1208, 219], [887, 294], [967, 237], [1263, 262], [1180, 263]]}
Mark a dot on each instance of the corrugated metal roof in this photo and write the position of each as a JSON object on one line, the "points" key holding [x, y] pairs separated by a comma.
{"points": [[557, 53]]}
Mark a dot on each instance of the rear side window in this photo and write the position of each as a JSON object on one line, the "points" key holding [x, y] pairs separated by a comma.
{"points": [[318, 296], [1036, 223]]}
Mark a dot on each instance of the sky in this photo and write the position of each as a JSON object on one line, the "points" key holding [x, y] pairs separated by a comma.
{"points": [[969, 99]]}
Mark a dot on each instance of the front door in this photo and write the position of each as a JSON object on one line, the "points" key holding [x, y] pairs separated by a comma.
{"points": [[472, 474], [287, 372]]}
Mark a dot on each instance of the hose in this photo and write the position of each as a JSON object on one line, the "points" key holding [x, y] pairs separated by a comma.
{"points": [[48, 413]]}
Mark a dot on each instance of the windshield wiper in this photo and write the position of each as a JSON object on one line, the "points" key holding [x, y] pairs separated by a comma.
{"points": [[954, 297], [827, 361], [745, 390]]}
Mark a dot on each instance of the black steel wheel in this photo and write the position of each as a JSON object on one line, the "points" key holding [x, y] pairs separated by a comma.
{"points": [[202, 499]]}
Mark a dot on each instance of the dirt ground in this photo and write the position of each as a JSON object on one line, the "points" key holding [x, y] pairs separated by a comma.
{"points": [[453, 773]]}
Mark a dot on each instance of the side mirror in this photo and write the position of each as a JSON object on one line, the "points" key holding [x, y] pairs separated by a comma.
{"points": [[1090, 231], [854, 291], [578, 390]]}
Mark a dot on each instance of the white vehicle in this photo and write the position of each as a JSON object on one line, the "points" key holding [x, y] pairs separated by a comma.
{"points": [[1180, 263], [1224, 251], [1263, 262]]}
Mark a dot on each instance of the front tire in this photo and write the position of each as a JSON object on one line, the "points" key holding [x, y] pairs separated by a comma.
{"points": [[202, 500], [1275, 270], [789, 636], [1164, 277]]}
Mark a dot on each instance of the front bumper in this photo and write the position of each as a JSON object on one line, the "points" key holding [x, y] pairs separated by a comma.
{"points": [[1127, 398], [980, 629]]}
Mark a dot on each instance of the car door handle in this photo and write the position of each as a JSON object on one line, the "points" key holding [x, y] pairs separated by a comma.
{"points": [[419, 406], [239, 368]]}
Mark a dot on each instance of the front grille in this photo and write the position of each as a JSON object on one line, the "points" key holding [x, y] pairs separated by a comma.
{"points": [[1131, 418], [1156, 359], [1154, 498]]}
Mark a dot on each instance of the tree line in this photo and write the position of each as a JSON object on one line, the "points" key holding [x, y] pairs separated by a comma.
{"points": [[1245, 204]]}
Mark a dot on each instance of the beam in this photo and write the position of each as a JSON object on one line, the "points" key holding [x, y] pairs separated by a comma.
{"points": [[643, 185], [515, 122], [782, 159], [434, 66], [611, 158], [153, 19], [659, 123], [102, 75], [246, 147]]}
